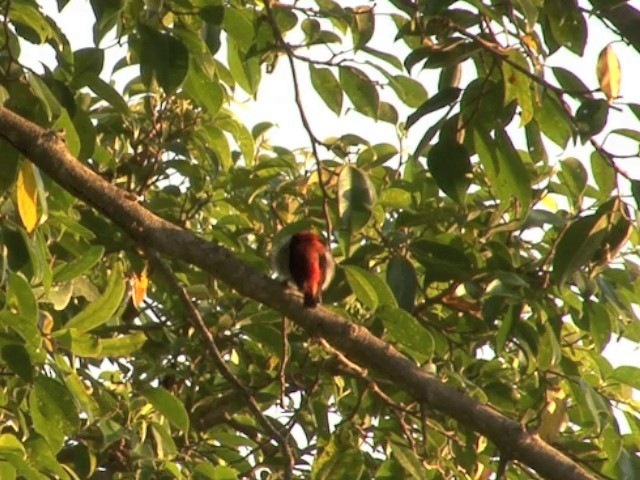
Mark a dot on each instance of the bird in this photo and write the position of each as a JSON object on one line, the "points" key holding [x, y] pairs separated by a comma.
{"points": [[304, 260]]}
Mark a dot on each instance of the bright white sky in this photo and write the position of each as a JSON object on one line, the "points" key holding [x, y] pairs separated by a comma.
{"points": [[275, 102]]}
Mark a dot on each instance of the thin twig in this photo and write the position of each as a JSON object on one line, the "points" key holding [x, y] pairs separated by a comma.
{"points": [[303, 117], [198, 322]]}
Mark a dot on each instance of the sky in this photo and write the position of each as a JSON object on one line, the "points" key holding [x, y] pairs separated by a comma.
{"points": [[275, 101]]}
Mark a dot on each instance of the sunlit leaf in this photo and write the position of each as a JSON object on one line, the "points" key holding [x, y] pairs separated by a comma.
{"points": [[53, 410], [101, 310], [608, 71], [577, 245], [327, 86], [360, 90], [364, 25], [69, 271], [356, 197], [27, 193], [407, 333], [140, 284], [169, 406], [504, 168], [361, 283]]}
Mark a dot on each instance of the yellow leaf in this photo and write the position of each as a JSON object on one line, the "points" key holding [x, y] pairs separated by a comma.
{"points": [[608, 71], [46, 326], [554, 416], [28, 197], [531, 42], [549, 202], [140, 285]]}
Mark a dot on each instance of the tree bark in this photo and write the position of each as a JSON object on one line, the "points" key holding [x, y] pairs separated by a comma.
{"points": [[46, 150]]}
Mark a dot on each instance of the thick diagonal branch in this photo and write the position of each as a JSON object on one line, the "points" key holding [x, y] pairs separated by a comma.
{"points": [[49, 153]]}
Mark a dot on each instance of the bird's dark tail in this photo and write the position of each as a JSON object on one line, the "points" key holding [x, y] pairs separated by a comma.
{"points": [[310, 301]]}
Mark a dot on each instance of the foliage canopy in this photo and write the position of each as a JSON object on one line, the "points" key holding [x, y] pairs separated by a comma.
{"points": [[461, 241]]}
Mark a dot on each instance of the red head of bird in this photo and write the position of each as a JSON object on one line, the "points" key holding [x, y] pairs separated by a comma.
{"points": [[304, 260]]}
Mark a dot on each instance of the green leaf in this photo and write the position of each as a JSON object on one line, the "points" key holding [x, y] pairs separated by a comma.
{"points": [[361, 284], [164, 56], [165, 446], [410, 91], [363, 26], [402, 279], [47, 98], [21, 296], [482, 105], [410, 463], [356, 198], [238, 24], [570, 82], [591, 118], [88, 61], [442, 262], [17, 359], [567, 24], [326, 84], [246, 71], [86, 134], [450, 77], [106, 92], [85, 401], [206, 471], [407, 333], [395, 198], [517, 86], [577, 245], [450, 166], [169, 406], [339, 461], [553, 120], [78, 342], [507, 174], [123, 345], [10, 444], [30, 22], [8, 166], [360, 90], [69, 271], [385, 57], [446, 57], [218, 144], [25, 327], [53, 411], [242, 136], [550, 352], [574, 177], [101, 310], [441, 99], [71, 139], [376, 155], [535, 146], [627, 132], [529, 10], [204, 89], [599, 323], [635, 191], [627, 375], [388, 113]]}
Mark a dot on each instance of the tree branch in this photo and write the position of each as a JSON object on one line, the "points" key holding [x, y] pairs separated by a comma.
{"points": [[46, 150]]}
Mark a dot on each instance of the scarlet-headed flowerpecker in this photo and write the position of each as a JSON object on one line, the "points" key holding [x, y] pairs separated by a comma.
{"points": [[304, 260]]}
